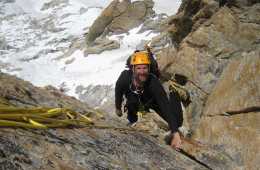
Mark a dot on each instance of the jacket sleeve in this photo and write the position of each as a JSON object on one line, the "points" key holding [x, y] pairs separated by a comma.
{"points": [[119, 90], [162, 100]]}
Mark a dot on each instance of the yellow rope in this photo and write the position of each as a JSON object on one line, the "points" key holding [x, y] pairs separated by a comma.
{"points": [[41, 118]]}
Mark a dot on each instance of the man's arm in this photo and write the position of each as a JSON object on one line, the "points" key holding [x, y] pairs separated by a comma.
{"points": [[162, 100], [166, 112], [119, 89]]}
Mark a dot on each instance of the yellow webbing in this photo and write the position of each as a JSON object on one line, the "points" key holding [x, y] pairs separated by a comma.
{"points": [[41, 118]]}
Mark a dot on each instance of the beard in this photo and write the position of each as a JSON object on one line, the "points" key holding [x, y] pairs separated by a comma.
{"points": [[141, 78]]}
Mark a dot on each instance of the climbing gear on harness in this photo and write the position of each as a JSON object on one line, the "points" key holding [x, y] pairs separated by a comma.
{"points": [[181, 91], [135, 90]]}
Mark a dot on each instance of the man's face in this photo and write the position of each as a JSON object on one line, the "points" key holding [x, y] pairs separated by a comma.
{"points": [[141, 72]]}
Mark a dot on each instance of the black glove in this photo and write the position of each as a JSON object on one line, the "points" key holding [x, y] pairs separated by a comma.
{"points": [[119, 112]]}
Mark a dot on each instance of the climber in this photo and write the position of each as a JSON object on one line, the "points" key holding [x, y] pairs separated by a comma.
{"points": [[153, 66], [144, 90]]}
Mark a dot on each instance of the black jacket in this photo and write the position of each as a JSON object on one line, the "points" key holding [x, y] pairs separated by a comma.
{"points": [[153, 90]]}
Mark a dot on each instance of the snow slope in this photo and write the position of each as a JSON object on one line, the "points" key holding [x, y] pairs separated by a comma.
{"points": [[34, 34]]}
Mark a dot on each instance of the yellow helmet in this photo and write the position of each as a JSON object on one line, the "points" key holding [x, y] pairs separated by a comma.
{"points": [[141, 57]]}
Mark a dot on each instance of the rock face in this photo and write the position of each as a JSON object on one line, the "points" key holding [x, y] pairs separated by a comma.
{"points": [[216, 45], [100, 45], [218, 50], [134, 15], [237, 94], [23, 94], [86, 149], [91, 93], [107, 145], [120, 17], [102, 22], [241, 75]]}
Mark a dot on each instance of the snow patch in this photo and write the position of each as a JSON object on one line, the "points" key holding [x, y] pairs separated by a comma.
{"points": [[169, 7], [38, 37]]}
